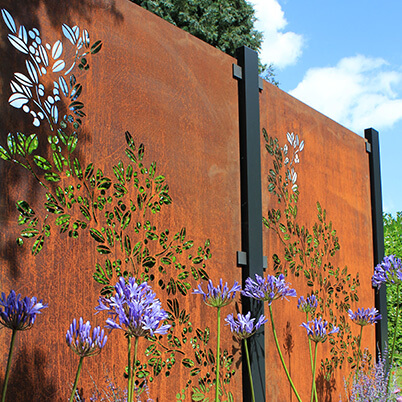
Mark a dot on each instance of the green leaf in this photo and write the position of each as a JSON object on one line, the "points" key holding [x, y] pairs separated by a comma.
{"points": [[127, 245], [53, 177], [4, 154], [42, 163], [104, 183], [126, 220], [89, 171], [84, 210], [77, 168], [103, 249], [31, 143], [96, 47], [120, 190], [12, 146], [29, 232], [24, 208], [72, 143], [38, 245], [57, 161], [187, 363], [97, 235]]}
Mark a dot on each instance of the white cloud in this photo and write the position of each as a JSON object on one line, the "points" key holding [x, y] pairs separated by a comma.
{"points": [[359, 92], [280, 48]]}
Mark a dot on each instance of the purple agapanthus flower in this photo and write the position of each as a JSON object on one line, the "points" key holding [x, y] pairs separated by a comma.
{"points": [[218, 296], [268, 289], [80, 340], [135, 309], [19, 314], [243, 327], [388, 271], [308, 305], [318, 330], [365, 317]]}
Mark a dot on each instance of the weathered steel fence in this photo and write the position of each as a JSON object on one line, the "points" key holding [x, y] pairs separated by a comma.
{"points": [[145, 150]]}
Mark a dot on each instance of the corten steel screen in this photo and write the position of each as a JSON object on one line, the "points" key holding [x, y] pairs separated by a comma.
{"points": [[176, 96], [330, 166], [175, 221]]}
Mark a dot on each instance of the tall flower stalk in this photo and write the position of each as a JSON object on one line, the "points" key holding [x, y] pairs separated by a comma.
{"points": [[218, 297], [267, 290], [309, 306], [243, 328], [317, 333], [80, 340], [18, 315], [134, 309], [363, 317]]}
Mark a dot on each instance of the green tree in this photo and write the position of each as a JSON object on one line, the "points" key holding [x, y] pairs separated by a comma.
{"points": [[393, 245], [225, 24]]}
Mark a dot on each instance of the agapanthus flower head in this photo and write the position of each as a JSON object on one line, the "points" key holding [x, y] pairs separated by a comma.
{"points": [[308, 305], [135, 309], [243, 327], [19, 314], [218, 296], [268, 289], [82, 342], [388, 271], [365, 316], [317, 330]]}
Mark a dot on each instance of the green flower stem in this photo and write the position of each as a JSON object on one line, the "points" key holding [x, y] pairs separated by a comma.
{"points": [[218, 356], [313, 387], [134, 364], [130, 377], [395, 331], [76, 378], [311, 357], [396, 326], [10, 355], [359, 351], [280, 355], [249, 370]]}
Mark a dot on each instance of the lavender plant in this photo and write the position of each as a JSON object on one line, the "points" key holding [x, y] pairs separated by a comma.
{"points": [[267, 290], [134, 309], [218, 297], [81, 342], [317, 333], [18, 315], [371, 383], [243, 328]]}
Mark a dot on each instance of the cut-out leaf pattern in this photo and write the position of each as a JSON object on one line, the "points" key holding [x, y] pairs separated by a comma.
{"points": [[38, 61], [308, 252]]}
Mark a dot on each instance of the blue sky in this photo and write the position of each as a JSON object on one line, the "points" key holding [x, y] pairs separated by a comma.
{"points": [[344, 58]]}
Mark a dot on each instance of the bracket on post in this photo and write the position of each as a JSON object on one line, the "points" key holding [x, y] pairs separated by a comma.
{"points": [[242, 259], [238, 74]]}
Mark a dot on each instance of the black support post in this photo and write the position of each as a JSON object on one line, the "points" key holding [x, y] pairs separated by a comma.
{"points": [[251, 209], [378, 231]]}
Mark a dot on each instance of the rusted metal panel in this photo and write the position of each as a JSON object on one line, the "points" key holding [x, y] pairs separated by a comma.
{"points": [[333, 170], [174, 94]]}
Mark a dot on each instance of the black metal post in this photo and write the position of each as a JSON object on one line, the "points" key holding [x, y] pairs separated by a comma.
{"points": [[378, 231], [251, 208]]}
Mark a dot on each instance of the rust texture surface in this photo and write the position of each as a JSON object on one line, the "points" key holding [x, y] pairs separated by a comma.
{"points": [[175, 95], [332, 169]]}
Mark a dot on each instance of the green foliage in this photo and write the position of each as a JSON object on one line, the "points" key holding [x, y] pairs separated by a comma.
{"points": [[393, 245], [226, 24]]}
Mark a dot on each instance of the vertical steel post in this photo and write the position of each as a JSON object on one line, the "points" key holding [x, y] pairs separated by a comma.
{"points": [[378, 231], [251, 209]]}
